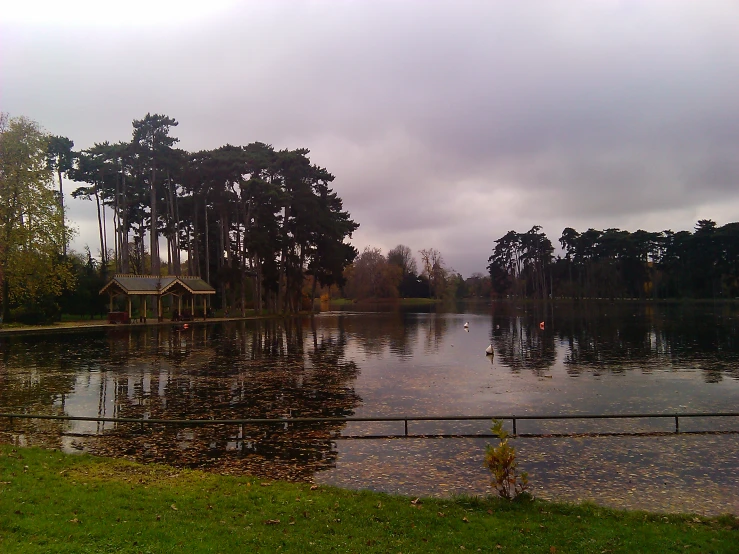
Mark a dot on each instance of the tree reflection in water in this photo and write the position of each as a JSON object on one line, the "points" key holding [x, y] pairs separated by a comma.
{"points": [[240, 371], [618, 337]]}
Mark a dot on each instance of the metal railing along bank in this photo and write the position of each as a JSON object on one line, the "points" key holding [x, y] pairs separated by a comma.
{"points": [[514, 419]]}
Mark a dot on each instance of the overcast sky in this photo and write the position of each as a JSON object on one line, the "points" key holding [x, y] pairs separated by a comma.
{"points": [[446, 124]]}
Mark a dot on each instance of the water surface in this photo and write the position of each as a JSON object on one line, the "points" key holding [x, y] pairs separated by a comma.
{"points": [[589, 358]]}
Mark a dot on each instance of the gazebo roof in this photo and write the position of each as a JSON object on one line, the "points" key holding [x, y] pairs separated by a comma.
{"points": [[196, 285], [156, 285]]}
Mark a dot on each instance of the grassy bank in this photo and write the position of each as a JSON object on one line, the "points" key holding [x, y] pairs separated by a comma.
{"points": [[50, 502]]}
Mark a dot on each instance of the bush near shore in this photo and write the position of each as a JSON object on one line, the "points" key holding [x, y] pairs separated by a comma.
{"points": [[53, 502]]}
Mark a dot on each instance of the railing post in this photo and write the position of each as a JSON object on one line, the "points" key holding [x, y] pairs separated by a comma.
{"points": [[514, 426], [406, 426], [677, 424]]}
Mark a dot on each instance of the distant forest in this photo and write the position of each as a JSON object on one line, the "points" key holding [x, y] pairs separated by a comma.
{"points": [[619, 264], [606, 264]]}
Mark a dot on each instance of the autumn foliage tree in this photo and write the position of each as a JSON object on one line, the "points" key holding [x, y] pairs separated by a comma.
{"points": [[371, 276], [32, 231]]}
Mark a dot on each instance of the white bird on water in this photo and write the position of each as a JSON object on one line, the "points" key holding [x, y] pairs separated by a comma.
{"points": [[466, 324], [489, 351]]}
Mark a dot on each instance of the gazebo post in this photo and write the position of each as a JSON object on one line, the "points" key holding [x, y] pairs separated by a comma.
{"points": [[159, 307], [130, 311], [192, 305], [146, 309], [111, 301], [205, 313]]}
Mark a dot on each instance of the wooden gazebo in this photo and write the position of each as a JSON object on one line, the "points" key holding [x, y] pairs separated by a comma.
{"points": [[145, 286]]}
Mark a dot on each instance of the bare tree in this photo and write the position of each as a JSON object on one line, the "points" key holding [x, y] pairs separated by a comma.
{"points": [[433, 269], [402, 256]]}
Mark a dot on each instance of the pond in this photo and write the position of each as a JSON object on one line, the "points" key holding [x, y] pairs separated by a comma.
{"points": [[549, 359]]}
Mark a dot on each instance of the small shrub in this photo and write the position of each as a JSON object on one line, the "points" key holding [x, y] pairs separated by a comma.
{"points": [[34, 314], [501, 461]]}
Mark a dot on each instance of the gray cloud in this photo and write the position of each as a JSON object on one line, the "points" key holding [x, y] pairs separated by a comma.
{"points": [[445, 123]]}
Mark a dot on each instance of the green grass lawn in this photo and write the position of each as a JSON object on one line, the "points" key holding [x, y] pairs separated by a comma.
{"points": [[51, 502]]}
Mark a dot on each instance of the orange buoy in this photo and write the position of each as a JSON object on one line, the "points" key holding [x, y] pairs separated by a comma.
{"points": [[541, 325]]}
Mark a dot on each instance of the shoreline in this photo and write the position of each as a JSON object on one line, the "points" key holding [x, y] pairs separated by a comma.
{"points": [[100, 324]]}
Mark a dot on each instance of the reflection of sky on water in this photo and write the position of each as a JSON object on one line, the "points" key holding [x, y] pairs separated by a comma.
{"points": [[590, 359], [442, 369], [418, 363]]}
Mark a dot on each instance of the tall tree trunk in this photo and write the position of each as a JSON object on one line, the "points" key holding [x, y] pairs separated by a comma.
{"points": [[117, 235], [258, 284], [195, 269], [189, 251], [169, 254], [282, 278], [299, 285], [177, 252], [569, 269], [219, 262], [103, 265], [105, 231], [313, 295], [241, 260], [207, 244], [6, 292], [142, 250], [154, 233], [61, 207], [125, 261]]}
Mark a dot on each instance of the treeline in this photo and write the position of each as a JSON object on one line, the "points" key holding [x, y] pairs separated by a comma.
{"points": [[255, 222], [613, 263], [373, 275]]}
